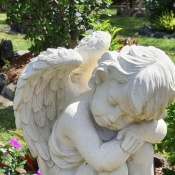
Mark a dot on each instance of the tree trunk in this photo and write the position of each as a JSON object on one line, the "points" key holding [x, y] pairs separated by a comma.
{"points": [[73, 42]]}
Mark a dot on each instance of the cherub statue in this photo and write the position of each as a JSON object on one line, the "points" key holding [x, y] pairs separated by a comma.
{"points": [[105, 129]]}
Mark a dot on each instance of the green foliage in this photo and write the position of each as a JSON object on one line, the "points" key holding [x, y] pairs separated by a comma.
{"points": [[54, 23], [6, 64], [16, 159], [168, 172], [155, 8], [165, 22], [113, 31], [116, 43], [3, 5], [11, 156], [6, 53], [167, 145]]}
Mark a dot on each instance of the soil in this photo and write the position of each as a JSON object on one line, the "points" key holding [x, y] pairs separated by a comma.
{"points": [[16, 67]]}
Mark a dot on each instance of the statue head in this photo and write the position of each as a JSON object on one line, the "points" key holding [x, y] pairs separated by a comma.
{"points": [[136, 84]]}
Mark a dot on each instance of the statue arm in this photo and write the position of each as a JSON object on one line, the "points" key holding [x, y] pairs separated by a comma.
{"points": [[79, 127], [155, 130]]}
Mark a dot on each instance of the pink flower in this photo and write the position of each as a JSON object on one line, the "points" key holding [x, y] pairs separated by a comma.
{"points": [[15, 144], [38, 173]]}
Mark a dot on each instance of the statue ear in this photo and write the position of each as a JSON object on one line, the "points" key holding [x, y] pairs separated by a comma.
{"points": [[100, 77]]}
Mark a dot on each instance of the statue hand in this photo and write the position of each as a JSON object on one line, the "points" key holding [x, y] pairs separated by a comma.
{"points": [[133, 138]]}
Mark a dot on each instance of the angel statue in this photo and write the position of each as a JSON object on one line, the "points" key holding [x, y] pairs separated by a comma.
{"points": [[102, 127]]}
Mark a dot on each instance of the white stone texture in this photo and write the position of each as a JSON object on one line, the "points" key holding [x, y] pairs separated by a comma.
{"points": [[105, 129]]}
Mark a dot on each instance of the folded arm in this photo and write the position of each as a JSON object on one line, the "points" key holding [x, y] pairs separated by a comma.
{"points": [[79, 128], [155, 131]]}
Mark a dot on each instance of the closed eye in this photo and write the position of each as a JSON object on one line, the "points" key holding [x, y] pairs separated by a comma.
{"points": [[111, 101]]}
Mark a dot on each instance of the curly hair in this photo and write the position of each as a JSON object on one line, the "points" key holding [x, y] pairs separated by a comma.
{"points": [[149, 74]]}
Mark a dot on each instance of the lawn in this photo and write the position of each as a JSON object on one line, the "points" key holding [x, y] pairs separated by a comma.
{"points": [[7, 122], [131, 25], [18, 40]]}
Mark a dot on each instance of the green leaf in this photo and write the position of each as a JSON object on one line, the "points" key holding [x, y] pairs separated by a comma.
{"points": [[94, 25], [85, 34]]}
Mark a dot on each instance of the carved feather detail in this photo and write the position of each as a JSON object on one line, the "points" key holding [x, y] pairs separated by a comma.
{"points": [[28, 92], [26, 112], [40, 98], [40, 117], [41, 86], [37, 102], [48, 96]]}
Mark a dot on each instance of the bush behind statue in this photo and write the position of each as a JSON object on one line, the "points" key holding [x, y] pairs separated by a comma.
{"points": [[54, 23], [155, 8], [167, 145]]}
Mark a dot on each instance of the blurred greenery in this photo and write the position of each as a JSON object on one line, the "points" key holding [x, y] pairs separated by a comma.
{"points": [[7, 122], [18, 40], [131, 25]]}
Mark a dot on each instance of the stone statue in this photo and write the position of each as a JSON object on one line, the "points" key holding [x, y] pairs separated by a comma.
{"points": [[105, 129]]}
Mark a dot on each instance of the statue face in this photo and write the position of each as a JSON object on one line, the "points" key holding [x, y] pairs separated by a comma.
{"points": [[110, 105]]}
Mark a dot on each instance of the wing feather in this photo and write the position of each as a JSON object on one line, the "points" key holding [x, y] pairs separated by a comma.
{"points": [[21, 83], [29, 90], [34, 81], [40, 118], [39, 97], [18, 120], [48, 74], [37, 102], [26, 112], [51, 111], [18, 98], [41, 86], [29, 72], [31, 130], [30, 143], [40, 65], [54, 84], [42, 148], [48, 96]]}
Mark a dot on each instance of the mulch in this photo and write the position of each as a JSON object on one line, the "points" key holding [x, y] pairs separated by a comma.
{"points": [[16, 67]]}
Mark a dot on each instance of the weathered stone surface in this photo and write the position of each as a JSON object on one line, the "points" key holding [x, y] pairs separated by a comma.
{"points": [[152, 33], [159, 34], [9, 91], [4, 101], [145, 31], [3, 81]]}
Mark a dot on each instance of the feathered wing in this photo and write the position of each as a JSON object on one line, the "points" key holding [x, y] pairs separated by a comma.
{"points": [[48, 84], [40, 97]]}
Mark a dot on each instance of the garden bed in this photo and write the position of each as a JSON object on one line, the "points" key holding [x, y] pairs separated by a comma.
{"points": [[16, 67]]}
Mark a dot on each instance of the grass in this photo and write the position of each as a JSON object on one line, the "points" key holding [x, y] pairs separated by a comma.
{"points": [[131, 25], [7, 122], [18, 40]]}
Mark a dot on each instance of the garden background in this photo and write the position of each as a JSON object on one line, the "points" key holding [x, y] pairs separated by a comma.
{"points": [[41, 38]]}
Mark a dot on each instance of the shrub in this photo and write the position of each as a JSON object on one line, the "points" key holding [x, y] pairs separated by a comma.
{"points": [[54, 23], [6, 53], [167, 145], [165, 22], [116, 43], [155, 8]]}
